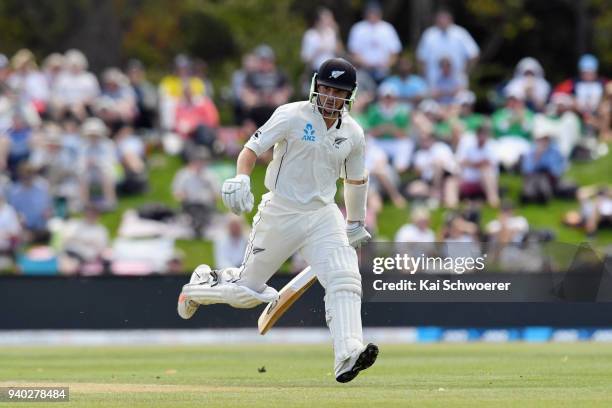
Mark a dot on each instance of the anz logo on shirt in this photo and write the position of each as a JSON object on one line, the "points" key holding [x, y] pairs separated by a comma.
{"points": [[309, 133]]}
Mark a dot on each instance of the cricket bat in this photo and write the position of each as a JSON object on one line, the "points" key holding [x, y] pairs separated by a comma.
{"points": [[286, 297]]}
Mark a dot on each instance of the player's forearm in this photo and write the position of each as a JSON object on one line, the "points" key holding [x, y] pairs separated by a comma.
{"points": [[246, 161]]}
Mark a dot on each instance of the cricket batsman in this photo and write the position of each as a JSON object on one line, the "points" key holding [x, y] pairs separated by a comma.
{"points": [[315, 143]]}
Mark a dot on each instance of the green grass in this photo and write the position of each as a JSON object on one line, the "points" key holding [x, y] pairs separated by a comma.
{"points": [[441, 375], [163, 169]]}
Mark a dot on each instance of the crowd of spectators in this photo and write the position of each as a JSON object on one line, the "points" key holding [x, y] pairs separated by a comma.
{"points": [[72, 142]]}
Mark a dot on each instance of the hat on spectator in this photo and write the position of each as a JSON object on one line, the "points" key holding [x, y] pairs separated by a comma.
{"points": [[23, 57], [529, 64], [429, 106], [114, 75], [75, 58], [562, 99], [588, 63], [134, 64], [514, 93], [3, 61], [388, 90], [465, 97], [182, 61], [94, 127], [54, 60], [53, 135], [543, 127], [264, 51]]}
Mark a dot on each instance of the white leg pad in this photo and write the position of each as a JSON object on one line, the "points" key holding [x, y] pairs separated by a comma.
{"points": [[343, 304]]}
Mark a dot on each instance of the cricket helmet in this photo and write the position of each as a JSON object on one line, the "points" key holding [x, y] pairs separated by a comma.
{"points": [[335, 73]]}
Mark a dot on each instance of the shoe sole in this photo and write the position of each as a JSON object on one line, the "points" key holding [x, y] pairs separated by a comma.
{"points": [[364, 361]]}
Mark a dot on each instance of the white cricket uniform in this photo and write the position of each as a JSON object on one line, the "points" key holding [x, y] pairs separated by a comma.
{"points": [[299, 212]]}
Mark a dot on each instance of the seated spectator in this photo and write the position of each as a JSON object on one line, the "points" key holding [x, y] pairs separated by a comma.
{"points": [[116, 105], [197, 120], [75, 88], [265, 89], [30, 197], [383, 177], [471, 120], [447, 85], [146, 96], [457, 228], [230, 247], [437, 169], [366, 93], [131, 154], [605, 113], [28, 82], [196, 188], [171, 89], [373, 43], [57, 164], [97, 166], [83, 243], [512, 127], [52, 67], [249, 65], [446, 39], [542, 167], [10, 231], [320, 42], [17, 144], [479, 173], [569, 130], [596, 209], [411, 88], [529, 84], [588, 90], [387, 123], [508, 227]]}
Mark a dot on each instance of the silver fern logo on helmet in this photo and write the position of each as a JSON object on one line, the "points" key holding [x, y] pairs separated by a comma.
{"points": [[326, 104]]}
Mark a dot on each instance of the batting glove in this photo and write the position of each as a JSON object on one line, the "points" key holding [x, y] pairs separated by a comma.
{"points": [[236, 194], [357, 234]]}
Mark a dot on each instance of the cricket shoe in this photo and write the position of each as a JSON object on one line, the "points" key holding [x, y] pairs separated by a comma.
{"points": [[202, 275], [358, 363]]}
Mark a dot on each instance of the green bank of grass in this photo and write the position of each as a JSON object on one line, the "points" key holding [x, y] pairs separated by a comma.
{"points": [[466, 375], [163, 169]]}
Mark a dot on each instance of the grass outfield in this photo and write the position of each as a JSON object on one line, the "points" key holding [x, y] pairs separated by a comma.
{"points": [[440, 375]]}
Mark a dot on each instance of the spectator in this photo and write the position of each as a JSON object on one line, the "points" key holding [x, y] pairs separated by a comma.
{"points": [[382, 175], [568, 123], [478, 163], [27, 81], [10, 230], [200, 70], [387, 123], [529, 84], [411, 88], [131, 154], [596, 208], [171, 89], [231, 246], [373, 43], [605, 112], [321, 42], [18, 144], [512, 127], [197, 119], [75, 89], [196, 189], [146, 96], [458, 229], [446, 39], [53, 66], [588, 90], [543, 166], [437, 169], [57, 164], [84, 242], [98, 165], [265, 89], [508, 227], [30, 197], [116, 106], [447, 84], [249, 65], [470, 120]]}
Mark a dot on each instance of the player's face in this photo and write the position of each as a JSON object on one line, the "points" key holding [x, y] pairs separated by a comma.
{"points": [[331, 100]]}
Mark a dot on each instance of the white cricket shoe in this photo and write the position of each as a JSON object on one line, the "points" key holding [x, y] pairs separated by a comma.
{"points": [[350, 367], [186, 307]]}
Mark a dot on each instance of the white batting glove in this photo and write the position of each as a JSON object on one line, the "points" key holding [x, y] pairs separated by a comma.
{"points": [[236, 194], [357, 234]]}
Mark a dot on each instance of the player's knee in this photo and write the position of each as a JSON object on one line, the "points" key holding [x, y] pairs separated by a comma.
{"points": [[343, 271]]}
